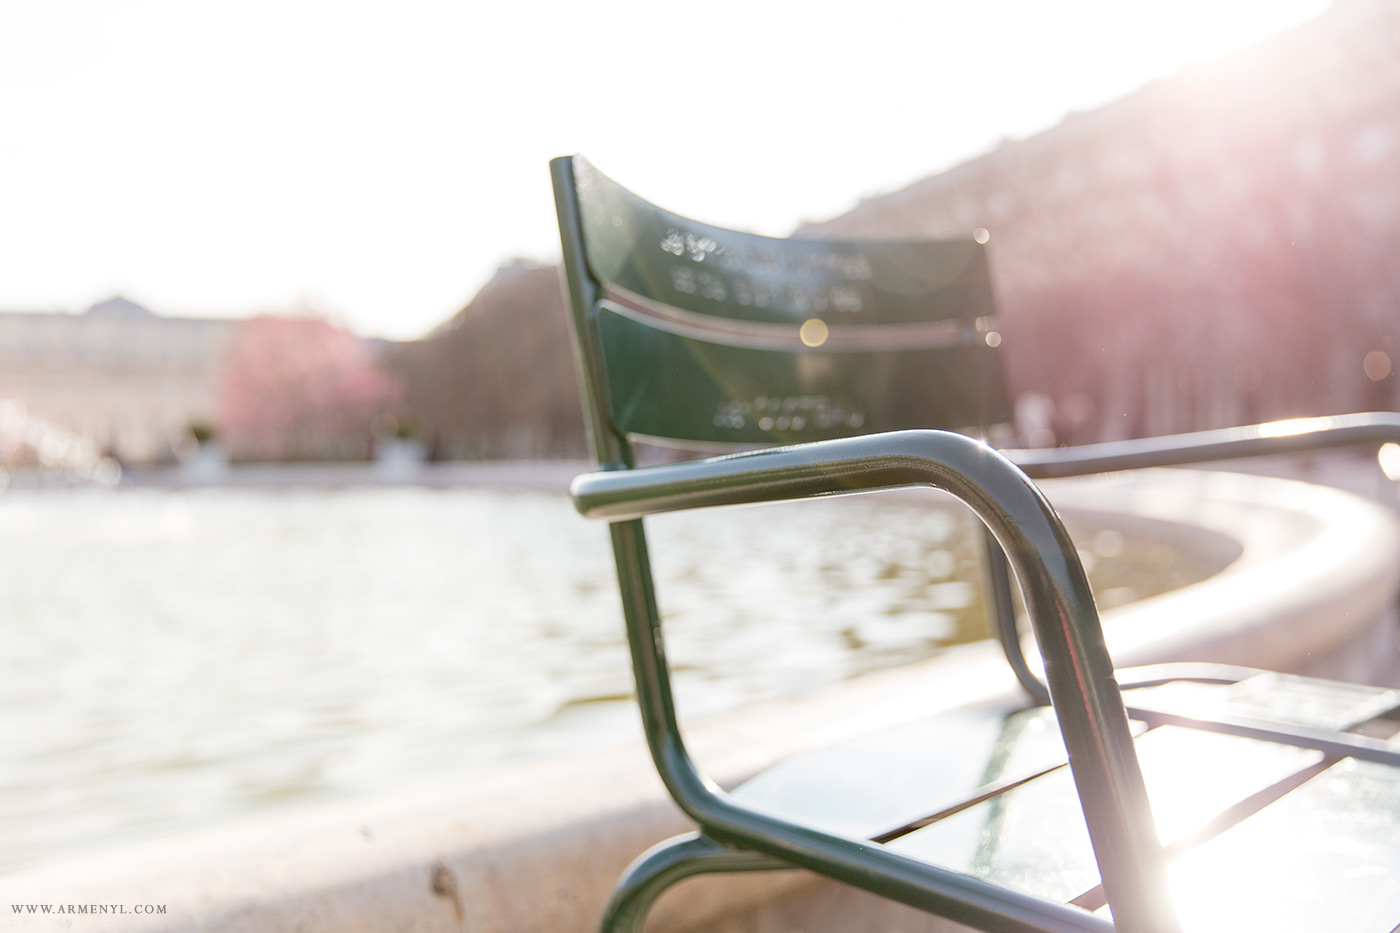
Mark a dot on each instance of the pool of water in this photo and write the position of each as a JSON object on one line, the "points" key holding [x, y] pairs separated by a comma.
{"points": [[177, 658]]}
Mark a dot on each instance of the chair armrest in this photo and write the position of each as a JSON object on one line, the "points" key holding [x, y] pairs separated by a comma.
{"points": [[1257, 440], [1078, 669]]}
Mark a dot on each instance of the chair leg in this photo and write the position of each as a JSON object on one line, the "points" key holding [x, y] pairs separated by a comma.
{"points": [[667, 863]]}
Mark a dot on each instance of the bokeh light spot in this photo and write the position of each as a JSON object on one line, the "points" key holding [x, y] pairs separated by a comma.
{"points": [[1389, 458], [1376, 365]]}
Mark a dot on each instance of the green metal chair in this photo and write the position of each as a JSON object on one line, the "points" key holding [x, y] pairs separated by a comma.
{"points": [[864, 366]]}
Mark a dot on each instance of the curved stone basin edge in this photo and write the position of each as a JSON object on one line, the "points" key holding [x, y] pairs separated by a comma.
{"points": [[537, 847]]}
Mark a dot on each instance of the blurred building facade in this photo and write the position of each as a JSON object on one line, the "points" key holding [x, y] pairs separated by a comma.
{"points": [[1215, 248], [131, 381]]}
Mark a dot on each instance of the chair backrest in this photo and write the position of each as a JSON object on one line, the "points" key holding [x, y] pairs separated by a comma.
{"points": [[704, 336]]}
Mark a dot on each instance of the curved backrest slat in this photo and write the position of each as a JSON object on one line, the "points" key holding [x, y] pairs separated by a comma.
{"points": [[664, 257], [662, 384], [693, 333]]}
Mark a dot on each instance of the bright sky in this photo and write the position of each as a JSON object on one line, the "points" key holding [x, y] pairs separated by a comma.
{"points": [[378, 161]]}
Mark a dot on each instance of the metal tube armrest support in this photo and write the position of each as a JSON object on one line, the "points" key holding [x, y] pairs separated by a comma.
{"points": [[1063, 616], [1249, 441], [1255, 440]]}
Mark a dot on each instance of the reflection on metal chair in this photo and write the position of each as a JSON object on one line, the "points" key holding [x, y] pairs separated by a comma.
{"points": [[867, 365]]}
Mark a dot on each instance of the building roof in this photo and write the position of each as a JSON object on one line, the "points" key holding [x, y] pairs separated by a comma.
{"points": [[118, 305]]}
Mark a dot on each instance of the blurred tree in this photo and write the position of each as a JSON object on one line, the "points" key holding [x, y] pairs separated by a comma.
{"points": [[497, 380], [301, 388], [1215, 248]]}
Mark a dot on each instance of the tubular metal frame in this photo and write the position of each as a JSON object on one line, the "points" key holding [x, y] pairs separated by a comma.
{"points": [[1061, 608], [1056, 591]]}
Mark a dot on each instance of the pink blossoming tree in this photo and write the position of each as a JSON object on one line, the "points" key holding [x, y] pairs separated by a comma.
{"points": [[300, 388]]}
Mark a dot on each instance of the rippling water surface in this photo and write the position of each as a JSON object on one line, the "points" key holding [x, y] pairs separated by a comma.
{"points": [[175, 658]]}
